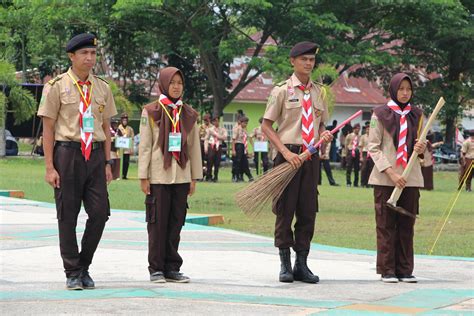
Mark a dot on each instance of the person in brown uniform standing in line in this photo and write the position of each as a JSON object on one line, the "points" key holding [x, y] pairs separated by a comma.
{"points": [[392, 139], [467, 158], [76, 108], [353, 156], [169, 164], [215, 135], [298, 108], [126, 130]]}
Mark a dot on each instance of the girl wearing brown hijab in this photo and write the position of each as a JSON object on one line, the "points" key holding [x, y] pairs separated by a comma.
{"points": [[169, 163], [394, 129]]}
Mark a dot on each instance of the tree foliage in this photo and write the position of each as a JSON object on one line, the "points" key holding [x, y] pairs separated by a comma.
{"points": [[13, 96], [431, 39]]}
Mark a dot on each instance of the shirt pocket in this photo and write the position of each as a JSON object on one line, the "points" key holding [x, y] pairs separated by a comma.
{"points": [[69, 107]]}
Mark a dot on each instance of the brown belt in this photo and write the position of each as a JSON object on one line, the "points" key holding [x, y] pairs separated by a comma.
{"points": [[77, 145]]}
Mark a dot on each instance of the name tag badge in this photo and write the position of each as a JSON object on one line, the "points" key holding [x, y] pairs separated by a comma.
{"points": [[88, 124], [174, 142]]}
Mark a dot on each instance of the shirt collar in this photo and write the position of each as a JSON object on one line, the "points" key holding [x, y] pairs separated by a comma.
{"points": [[296, 82], [89, 77]]}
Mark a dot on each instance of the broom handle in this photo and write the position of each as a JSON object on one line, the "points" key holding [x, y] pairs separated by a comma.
{"points": [[414, 156], [310, 151]]}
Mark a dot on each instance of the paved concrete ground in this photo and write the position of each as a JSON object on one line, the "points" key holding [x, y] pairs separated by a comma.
{"points": [[232, 273]]}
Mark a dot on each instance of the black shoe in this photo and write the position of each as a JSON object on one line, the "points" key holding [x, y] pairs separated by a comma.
{"points": [[177, 277], [74, 283], [250, 179], [334, 184], [389, 278], [87, 281], [157, 277], [407, 278], [301, 272], [286, 273], [124, 178]]}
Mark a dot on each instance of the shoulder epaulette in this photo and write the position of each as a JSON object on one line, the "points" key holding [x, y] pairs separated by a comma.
{"points": [[54, 80], [280, 83], [101, 79]]}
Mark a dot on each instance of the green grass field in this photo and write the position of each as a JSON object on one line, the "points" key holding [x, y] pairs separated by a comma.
{"points": [[346, 216]]}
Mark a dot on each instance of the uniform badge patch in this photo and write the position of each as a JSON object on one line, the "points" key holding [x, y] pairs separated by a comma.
{"points": [[318, 113], [101, 108], [144, 119], [373, 121]]}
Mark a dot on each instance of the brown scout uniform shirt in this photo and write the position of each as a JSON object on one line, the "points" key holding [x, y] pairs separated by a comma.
{"points": [[150, 157], [127, 132], [238, 134], [384, 155], [286, 109], [203, 130], [258, 135], [349, 140], [468, 149], [210, 138], [363, 143], [60, 101]]}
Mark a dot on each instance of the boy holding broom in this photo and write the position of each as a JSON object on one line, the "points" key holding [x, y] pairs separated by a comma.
{"points": [[298, 108]]}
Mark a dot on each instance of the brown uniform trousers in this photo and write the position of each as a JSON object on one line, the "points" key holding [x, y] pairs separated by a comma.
{"points": [[462, 172], [80, 181], [213, 161], [395, 231], [299, 199], [166, 209]]}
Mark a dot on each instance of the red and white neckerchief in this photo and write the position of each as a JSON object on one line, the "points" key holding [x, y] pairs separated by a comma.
{"points": [[307, 127], [85, 110], [244, 140], [215, 143], [176, 111], [355, 141], [402, 150]]}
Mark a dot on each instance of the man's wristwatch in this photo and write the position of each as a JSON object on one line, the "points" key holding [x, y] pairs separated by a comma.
{"points": [[109, 162]]}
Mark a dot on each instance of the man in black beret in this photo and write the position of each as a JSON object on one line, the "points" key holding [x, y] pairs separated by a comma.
{"points": [[299, 108], [76, 108]]}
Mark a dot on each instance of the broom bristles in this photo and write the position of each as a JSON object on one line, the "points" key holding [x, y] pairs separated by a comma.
{"points": [[257, 196]]}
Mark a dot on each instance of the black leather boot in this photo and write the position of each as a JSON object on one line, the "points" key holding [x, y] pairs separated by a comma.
{"points": [[286, 273], [301, 272]]}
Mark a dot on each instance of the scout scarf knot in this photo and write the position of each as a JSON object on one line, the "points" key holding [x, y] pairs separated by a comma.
{"points": [[402, 150], [307, 128]]}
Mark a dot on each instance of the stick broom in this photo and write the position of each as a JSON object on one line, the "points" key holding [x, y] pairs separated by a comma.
{"points": [[270, 186]]}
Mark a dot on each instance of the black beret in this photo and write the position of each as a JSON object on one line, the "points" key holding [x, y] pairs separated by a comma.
{"points": [[303, 48], [84, 40]]}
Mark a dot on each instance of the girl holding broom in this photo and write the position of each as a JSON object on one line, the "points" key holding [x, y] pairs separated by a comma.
{"points": [[394, 129], [300, 112], [169, 163]]}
